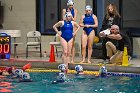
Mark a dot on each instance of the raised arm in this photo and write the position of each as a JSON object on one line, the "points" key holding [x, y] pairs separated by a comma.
{"points": [[77, 27], [55, 27], [63, 14], [115, 36]]}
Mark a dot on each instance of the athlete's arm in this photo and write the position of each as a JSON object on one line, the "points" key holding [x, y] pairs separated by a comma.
{"points": [[58, 24], [63, 14], [77, 28], [81, 22], [75, 14]]}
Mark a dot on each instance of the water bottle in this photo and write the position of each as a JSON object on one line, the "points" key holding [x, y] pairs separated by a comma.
{"points": [[45, 54]]}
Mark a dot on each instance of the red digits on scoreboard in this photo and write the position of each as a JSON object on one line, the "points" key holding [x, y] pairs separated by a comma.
{"points": [[4, 48]]}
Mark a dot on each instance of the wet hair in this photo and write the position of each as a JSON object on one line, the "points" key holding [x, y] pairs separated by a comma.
{"points": [[115, 12]]}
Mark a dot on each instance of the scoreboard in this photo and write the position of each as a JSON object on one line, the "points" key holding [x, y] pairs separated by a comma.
{"points": [[5, 46]]}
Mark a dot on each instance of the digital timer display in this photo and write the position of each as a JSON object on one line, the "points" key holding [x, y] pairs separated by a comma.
{"points": [[5, 46]]}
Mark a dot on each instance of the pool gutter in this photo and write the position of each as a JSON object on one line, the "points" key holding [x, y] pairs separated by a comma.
{"points": [[54, 65]]}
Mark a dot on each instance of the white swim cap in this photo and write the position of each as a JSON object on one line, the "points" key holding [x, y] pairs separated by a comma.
{"points": [[103, 69], [78, 68], [88, 7], [61, 76], [18, 72], [68, 14], [62, 67], [70, 2], [25, 75]]}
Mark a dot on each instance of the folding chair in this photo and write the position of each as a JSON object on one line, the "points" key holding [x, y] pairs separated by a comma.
{"points": [[33, 41]]}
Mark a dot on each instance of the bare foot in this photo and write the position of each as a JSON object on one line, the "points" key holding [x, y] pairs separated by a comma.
{"points": [[89, 61], [72, 62], [82, 61]]}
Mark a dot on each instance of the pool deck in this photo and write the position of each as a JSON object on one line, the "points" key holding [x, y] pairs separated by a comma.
{"points": [[37, 62]]}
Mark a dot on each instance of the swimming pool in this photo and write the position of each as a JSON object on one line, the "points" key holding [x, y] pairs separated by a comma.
{"points": [[77, 84]]}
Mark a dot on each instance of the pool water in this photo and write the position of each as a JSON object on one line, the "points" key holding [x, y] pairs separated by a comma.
{"points": [[42, 83]]}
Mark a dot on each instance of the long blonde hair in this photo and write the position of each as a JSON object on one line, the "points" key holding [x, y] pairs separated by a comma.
{"points": [[115, 12]]}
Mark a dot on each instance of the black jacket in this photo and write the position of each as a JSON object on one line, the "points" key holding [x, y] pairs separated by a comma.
{"points": [[107, 24]]}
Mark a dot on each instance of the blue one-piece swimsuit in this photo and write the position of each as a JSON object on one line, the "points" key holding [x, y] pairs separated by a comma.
{"points": [[67, 31], [72, 12], [88, 20]]}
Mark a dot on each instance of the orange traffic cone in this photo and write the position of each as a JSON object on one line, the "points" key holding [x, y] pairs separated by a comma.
{"points": [[52, 55], [27, 66]]}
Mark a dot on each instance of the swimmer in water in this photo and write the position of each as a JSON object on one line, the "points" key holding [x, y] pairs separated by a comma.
{"points": [[25, 77], [62, 68], [103, 71], [60, 79], [79, 69], [17, 73]]}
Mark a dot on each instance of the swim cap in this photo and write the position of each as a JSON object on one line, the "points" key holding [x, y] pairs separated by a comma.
{"points": [[78, 68], [61, 76], [103, 69], [18, 72], [70, 2], [68, 14], [25, 75], [88, 7], [62, 67]]}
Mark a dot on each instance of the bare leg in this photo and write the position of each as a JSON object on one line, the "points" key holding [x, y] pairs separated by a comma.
{"points": [[84, 44], [64, 48], [90, 44], [69, 49], [67, 46], [73, 51]]}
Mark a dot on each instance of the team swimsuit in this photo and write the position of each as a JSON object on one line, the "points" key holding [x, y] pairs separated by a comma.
{"points": [[88, 20], [67, 28], [72, 11], [67, 31]]}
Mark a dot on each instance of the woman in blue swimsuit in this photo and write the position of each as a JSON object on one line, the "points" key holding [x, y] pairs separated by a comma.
{"points": [[66, 35], [89, 22], [70, 8]]}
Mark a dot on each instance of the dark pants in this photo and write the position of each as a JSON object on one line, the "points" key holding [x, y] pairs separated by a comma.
{"points": [[104, 48]]}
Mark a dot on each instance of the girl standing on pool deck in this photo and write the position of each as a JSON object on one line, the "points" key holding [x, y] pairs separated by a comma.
{"points": [[66, 35], [70, 8], [88, 21]]}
